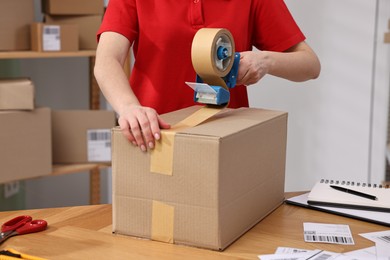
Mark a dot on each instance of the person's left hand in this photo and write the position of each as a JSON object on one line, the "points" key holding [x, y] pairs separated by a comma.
{"points": [[253, 66]]}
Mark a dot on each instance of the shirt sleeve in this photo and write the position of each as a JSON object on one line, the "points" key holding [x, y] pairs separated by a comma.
{"points": [[274, 27], [120, 17]]}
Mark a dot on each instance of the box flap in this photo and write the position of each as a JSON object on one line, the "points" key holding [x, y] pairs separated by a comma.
{"points": [[225, 123]]}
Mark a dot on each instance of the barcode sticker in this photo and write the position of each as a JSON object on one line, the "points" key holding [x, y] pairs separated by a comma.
{"points": [[382, 243], [51, 38], [328, 233], [99, 145], [309, 254], [290, 250], [380, 236]]}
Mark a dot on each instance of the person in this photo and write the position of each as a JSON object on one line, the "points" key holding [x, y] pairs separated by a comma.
{"points": [[161, 33]]}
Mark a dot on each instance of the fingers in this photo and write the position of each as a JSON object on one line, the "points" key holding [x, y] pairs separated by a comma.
{"points": [[251, 68], [141, 126], [249, 77], [125, 128]]}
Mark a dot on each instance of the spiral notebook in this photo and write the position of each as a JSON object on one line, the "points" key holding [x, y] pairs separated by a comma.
{"points": [[354, 195], [381, 218]]}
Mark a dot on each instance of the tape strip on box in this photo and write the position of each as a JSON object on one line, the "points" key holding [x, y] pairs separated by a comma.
{"points": [[161, 157], [162, 222]]}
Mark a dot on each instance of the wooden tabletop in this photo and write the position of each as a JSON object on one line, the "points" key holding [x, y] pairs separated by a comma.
{"points": [[84, 232]]}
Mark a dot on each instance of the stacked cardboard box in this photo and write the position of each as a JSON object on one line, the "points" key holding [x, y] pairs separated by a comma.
{"points": [[82, 136], [15, 19], [387, 34], [16, 94], [54, 37], [25, 132], [228, 174], [87, 14], [25, 144], [32, 139]]}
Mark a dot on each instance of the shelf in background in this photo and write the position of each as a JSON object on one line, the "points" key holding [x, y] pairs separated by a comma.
{"points": [[35, 54], [60, 169]]}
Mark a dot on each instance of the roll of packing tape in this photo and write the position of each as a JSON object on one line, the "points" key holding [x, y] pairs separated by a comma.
{"points": [[204, 55]]}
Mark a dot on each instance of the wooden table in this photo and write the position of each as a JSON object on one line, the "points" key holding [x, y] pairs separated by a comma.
{"points": [[84, 232]]}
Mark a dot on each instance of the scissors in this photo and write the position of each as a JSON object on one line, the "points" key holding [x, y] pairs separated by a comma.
{"points": [[21, 225]]}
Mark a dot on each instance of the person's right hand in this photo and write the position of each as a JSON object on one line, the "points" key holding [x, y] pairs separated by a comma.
{"points": [[141, 126]]}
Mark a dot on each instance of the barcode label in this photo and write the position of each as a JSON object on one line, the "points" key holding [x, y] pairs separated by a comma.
{"points": [[327, 233], [99, 145], [51, 40], [329, 239], [51, 30], [99, 135], [307, 254], [385, 238], [323, 256]]}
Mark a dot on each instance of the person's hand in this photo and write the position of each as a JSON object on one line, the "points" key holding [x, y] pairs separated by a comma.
{"points": [[252, 67], [141, 126]]}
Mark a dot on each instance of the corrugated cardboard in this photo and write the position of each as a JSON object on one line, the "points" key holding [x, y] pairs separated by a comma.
{"points": [[67, 37], [228, 174], [15, 19], [72, 7], [25, 144], [387, 37], [70, 134], [88, 26], [17, 93]]}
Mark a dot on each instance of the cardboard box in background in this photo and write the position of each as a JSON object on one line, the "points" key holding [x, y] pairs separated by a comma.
{"points": [[17, 94], [82, 136], [228, 174], [54, 37], [387, 37], [72, 7], [15, 19], [88, 27], [25, 144]]}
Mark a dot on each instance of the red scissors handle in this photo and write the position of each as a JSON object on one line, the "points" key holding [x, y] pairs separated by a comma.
{"points": [[32, 226], [23, 225], [15, 223]]}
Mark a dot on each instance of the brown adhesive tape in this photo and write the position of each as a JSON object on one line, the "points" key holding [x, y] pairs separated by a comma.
{"points": [[162, 222], [203, 53], [161, 157]]}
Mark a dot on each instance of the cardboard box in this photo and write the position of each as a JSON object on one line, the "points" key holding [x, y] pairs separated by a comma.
{"points": [[54, 37], [387, 37], [82, 136], [72, 7], [15, 19], [228, 174], [88, 27], [16, 94], [25, 144]]}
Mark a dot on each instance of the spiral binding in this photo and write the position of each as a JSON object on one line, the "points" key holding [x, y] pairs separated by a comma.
{"points": [[357, 184]]}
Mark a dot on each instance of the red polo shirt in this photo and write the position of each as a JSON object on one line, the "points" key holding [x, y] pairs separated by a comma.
{"points": [[162, 32]]}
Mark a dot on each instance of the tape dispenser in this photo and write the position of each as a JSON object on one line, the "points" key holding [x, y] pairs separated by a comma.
{"points": [[216, 64]]}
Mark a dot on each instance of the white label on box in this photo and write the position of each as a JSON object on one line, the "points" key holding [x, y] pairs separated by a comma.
{"points": [[99, 145], [51, 38]]}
